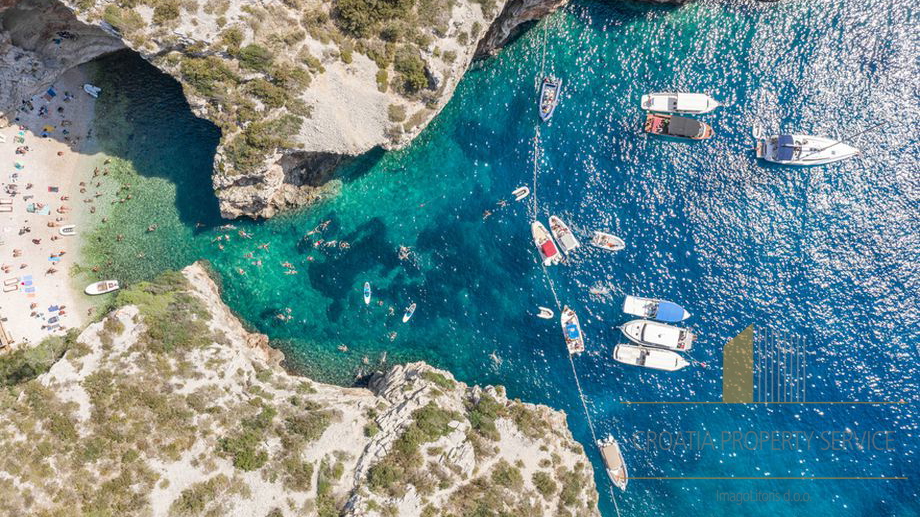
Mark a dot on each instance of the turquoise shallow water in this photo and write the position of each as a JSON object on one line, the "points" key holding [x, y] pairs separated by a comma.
{"points": [[827, 254]]}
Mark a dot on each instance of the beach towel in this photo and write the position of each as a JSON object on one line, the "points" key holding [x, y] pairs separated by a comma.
{"points": [[54, 259], [19, 165], [52, 189], [30, 289], [48, 129]]}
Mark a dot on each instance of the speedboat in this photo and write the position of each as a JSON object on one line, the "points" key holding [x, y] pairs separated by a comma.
{"points": [[652, 333], [668, 102], [545, 313], [677, 127], [410, 310], [802, 149], [563, 234], [607, 241], [549, 96], [103, 287], [649, 357], [520, 193], [70, 229], [93, 91], [613, 461], [571, 329], [545, 244], [655, 309], [367, 293]]}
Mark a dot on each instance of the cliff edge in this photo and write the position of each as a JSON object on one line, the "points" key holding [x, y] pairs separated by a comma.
{"points": [[168, 406]]}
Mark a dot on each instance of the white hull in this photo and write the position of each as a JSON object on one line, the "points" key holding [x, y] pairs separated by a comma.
{"points": [[367, 293], [545, 244], [545, 313], [806, 150], [93, 91], [408, 314], [67, 230], [613, 461], [563, 235], [654, 309], [607, 241], [571, 330], [649, 357], [652, 333], [520, 193], [103, 287], [681, 103]]}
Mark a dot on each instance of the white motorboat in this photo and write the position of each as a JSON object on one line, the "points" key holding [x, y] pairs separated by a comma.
{"points": [[367, 293], [607, 241], [103, 287], [649, 357], [545, 244], [520, 193], [70, 229], [410, 310], [675, 102], [549, 96], [571, 329], [545, 313], [563, 235], [802, 150], [652, 333], [613, 461], [655, 309], [93, 91]]}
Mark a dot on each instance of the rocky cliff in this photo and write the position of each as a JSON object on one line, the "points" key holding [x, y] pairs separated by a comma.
{"points": [[296, 86], [168, 406]]}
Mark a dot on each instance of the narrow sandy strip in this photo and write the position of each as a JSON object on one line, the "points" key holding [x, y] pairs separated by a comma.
{"points": [[38, 298]]}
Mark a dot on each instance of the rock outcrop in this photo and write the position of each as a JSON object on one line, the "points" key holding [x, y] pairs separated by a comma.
{"points": [[168, 406], [284, 79]]}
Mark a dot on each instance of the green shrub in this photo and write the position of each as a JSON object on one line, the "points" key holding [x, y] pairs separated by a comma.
{"points": [[449, 56], [463, 38], [194, 499], [544, 483], [24, 364], [310, 425], [382, 80], [408, 63], [165, 11], [248, 149], [244, 448], [298, 475], [434, 377], [256, 57], [208, 75], [508, 476], [232, 38], [482, 416], [396, 113], [359, 17], [125, 20], [270, 95]]}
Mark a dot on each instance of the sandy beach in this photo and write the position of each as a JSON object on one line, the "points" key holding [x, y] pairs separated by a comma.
{"points": [[45, 185]]}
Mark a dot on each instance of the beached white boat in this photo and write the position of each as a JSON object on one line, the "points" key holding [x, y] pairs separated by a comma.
{"points": [[545, 244], [410, 310], [520, 193], [93, 91], [367, 293], [549, 96], [613, 461], [545, 313], [563, 234], [652, 333], [649, 357], [571, 329], [674, 102], [802, 150], [70, 229], [105, 286], [655, 309], [607, 241]]}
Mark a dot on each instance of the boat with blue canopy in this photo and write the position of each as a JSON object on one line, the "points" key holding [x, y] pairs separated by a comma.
{"points": [[571, 330], [660, 310]]}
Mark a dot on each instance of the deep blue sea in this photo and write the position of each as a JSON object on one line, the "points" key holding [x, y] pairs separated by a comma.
{"points": [[828, 257]]}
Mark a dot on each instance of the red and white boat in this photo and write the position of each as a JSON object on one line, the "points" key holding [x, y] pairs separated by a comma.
{"points": [[545, 244]]}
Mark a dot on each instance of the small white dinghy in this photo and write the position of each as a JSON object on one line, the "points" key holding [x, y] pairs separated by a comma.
{"points": [[410, 310], [802, 150], [545, 313], [571, 330], [70, 229], [563, 235], [545, 244], [649, 357], [652, 333], [520, 193], [103, 287], [367, 293], [613, 460], [607, 241], [673, 102], [93, 91]]}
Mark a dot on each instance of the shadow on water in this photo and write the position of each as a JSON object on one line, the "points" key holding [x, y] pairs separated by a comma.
{"points": [[149, 109]]}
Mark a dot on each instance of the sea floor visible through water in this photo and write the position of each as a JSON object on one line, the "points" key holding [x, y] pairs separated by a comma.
{"points": [[826, 258]]}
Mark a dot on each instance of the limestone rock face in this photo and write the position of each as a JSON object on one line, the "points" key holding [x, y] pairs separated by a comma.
{"points": [[169, 406], [285, 80]]}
